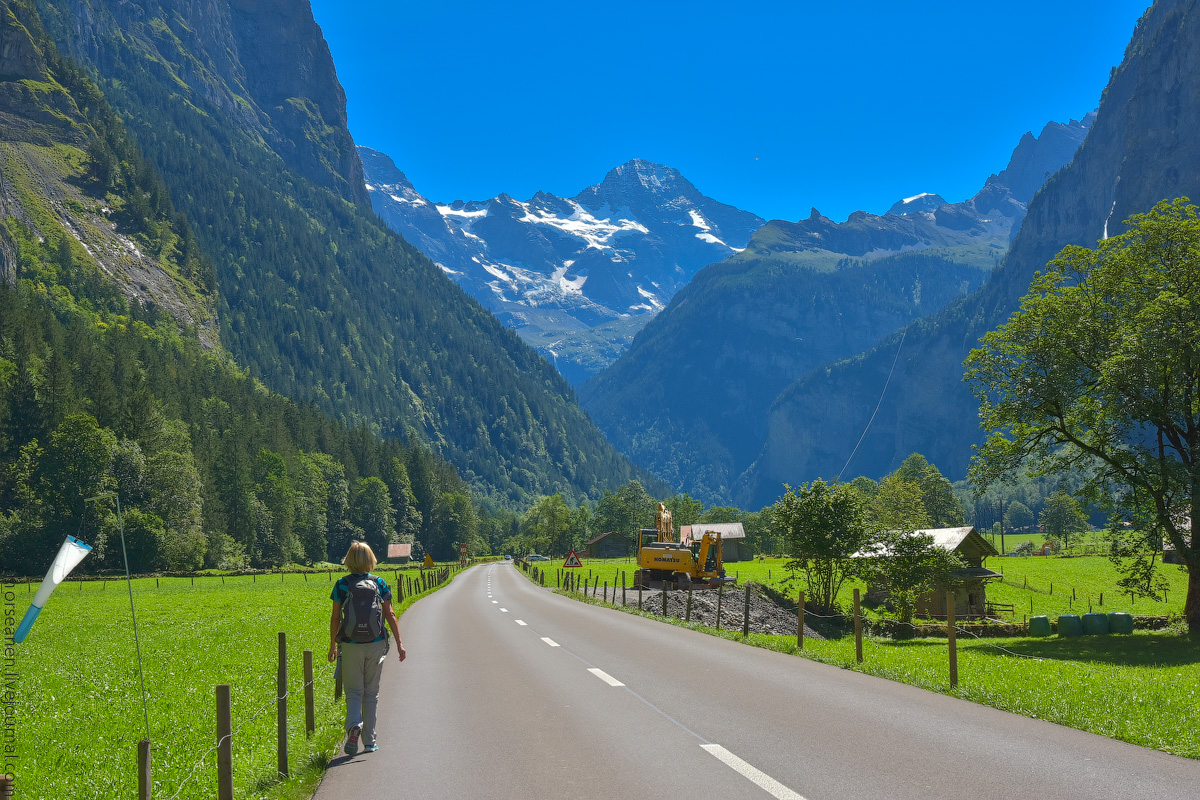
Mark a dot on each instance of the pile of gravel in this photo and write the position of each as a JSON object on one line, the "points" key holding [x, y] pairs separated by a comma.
{"points": [[765, 615]]}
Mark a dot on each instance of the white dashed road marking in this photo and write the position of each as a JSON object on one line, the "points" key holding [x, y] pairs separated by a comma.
{"points": [[752, 774], [550, 641], [604, 676], [495, 602], [520, 622], [504, 610]]}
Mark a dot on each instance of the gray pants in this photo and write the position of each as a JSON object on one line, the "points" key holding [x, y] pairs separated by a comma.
{"points": [[362, 667]]}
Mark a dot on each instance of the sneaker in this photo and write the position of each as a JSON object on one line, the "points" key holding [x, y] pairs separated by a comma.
{"points": [[352, 740], [370, 748]]}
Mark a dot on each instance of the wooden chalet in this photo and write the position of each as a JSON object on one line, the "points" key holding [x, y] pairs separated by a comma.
{"points": [[968, 584]]}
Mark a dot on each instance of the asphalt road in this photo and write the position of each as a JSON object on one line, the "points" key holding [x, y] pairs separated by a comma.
{"points": [[511, 691]]}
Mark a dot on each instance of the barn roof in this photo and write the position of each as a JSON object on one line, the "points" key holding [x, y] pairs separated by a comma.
{"points": [[728, 530], [965, 540], [604, 535], [399, 551]]}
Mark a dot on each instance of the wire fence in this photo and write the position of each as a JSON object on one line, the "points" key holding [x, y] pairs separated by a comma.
{"points": [[416, 585]]}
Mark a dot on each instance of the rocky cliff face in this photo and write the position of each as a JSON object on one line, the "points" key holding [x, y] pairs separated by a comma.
{"points": [[1141, 149], [42, 134], [554, 268], [263, 63]]}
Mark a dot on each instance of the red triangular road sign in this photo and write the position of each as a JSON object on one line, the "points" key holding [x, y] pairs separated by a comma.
{"points": [[572, 560]]}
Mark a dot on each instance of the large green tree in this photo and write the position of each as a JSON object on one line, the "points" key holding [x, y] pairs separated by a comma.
{"points": [[1099, 372], [824, 524], [1063, 516]]}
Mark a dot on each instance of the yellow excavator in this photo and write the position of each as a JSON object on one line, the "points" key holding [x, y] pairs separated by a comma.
{"points": [[662, 559]]}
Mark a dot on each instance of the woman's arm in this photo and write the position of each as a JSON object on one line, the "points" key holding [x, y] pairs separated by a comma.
{"points": [[335, 629], [389, 614]]}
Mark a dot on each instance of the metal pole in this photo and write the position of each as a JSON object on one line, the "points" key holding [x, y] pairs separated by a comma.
{"points": [[133, 614]]}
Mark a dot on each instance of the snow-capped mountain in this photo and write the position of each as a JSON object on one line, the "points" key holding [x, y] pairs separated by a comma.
{"points": [[554, 268]]}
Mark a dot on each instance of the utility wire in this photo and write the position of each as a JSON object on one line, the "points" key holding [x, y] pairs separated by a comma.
{"points": [[877, 406]]}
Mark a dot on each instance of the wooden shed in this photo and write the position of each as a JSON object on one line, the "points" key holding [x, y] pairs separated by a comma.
{"points": [[968, 584], [733, 538], [609, 545], [399, 553]]}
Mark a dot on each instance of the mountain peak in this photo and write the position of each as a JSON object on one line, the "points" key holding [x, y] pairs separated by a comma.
{"points": [[638, 177]]}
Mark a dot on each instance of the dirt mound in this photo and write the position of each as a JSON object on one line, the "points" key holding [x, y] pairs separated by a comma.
{"points": [[765, 615]]}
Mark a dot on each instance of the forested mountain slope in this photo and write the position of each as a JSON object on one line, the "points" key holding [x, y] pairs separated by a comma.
{"points": [[689, 399], [1141, 149], [113, 385], [237, 105]]}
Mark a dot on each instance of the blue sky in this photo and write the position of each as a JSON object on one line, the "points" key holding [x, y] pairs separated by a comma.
{"points": [[773, 107]]}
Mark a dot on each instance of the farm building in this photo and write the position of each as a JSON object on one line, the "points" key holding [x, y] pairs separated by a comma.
{"points": [[609, 545], [399, 553], [733, 538], [969, 584]]}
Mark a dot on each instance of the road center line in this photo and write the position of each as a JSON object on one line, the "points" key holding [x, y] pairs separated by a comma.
{"points": [[495, 602], [752, 774], [520, 621], [550, 641], [604, 676], [504, 611]]}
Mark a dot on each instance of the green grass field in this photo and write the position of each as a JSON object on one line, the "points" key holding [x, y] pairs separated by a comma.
{"points": [[79, 705], [1140, 689]]}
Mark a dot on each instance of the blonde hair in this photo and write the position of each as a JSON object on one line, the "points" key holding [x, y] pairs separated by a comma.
{"points": [[359, 558]]}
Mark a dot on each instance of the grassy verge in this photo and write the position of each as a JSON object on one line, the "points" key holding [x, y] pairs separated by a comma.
{"points": [[78, 704], [1140, 689]]}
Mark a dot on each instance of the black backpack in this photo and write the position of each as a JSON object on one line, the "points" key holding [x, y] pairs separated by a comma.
{"points": [[362, 611]]}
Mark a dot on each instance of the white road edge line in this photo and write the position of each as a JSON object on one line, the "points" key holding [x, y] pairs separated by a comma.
{"points": [[550, 642], [604, 676], [752, 774], [521, 622]]}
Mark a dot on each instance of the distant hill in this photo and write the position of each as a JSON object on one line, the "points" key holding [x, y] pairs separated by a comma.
{"points": [[689, 399], [1140, 149], [575, 277]]}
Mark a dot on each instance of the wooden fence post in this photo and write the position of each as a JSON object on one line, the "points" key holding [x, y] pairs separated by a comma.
{"points": [[951, 639], [688, 615], [144, 782], [606, 591], [720, 591], [665, 597], [857, 627], [224, 744], [310, 711], [746, 614], [800, 621], [6, 788], [281, 706]]}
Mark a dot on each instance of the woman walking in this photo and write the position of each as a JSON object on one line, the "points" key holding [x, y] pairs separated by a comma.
{"points": [[362, 603]]}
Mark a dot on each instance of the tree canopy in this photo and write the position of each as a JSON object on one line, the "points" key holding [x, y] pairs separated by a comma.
{"points": [[1099, 373]]}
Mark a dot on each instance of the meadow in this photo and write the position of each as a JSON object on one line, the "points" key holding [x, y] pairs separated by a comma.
{"points": [[79, 703], [1026, 585], [1140, 689]]}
